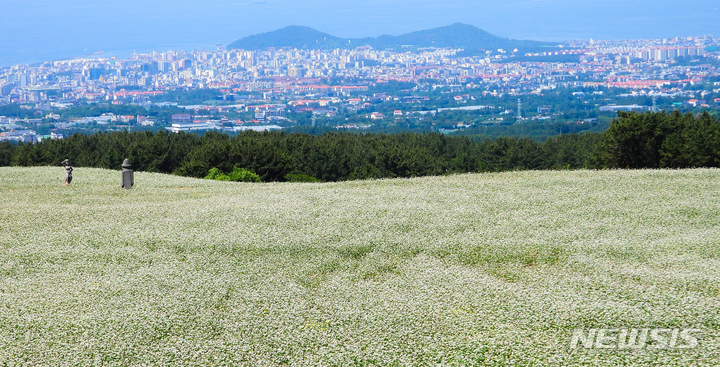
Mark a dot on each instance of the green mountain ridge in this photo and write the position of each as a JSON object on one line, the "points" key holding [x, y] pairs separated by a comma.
{"points": [[470, 38]]}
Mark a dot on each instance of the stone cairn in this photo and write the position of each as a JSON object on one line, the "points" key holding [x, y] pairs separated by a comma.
{"points": [[127, 176], [68, 172]]}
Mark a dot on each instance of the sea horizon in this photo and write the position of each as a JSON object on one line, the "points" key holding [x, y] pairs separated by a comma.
{"points": [[39, 32]]}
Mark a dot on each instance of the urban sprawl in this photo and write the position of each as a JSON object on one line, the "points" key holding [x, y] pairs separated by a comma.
{"points": [[265, 90]]}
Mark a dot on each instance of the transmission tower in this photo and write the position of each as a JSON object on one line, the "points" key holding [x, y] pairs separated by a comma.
{"points": [[519, 113], [654, 106]]}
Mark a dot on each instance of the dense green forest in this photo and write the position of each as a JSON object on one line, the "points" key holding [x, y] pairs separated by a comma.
{"points": [[328, 157], [660, 140], [651, 140]]}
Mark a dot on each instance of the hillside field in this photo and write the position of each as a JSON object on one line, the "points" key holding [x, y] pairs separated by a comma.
{"points": [[477, 269]]}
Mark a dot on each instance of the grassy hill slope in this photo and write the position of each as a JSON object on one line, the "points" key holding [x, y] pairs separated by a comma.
{"points": [[486, 269]]}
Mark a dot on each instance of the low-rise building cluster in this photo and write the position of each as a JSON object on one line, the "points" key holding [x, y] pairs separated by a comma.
{"points": [[272, 83]]}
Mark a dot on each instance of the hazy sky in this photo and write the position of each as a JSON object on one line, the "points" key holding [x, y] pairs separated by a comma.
{"points": [[36, 30]]}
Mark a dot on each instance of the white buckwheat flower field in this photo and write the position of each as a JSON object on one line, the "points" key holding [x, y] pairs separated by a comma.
{"points": [[478, 269]]}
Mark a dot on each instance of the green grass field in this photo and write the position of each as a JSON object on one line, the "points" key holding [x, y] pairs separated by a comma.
{"points": [[480, 269]]}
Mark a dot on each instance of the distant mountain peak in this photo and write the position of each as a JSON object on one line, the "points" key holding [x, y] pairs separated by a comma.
{"points": [[457, 35], [297, 28]]}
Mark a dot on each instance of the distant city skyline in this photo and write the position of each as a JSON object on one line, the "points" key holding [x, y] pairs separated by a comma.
{"points": [[46, 30]]}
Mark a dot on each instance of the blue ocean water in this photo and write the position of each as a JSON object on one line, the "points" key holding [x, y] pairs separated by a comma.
{"points": [[43, 30]]}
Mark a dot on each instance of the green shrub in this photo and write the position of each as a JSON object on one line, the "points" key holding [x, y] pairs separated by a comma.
{"points": [[243, 175], [216, 174], [300, 177], [238, 175]]}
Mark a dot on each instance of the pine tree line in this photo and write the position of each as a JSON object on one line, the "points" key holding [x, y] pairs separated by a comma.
{"points": [[651, 140]]}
